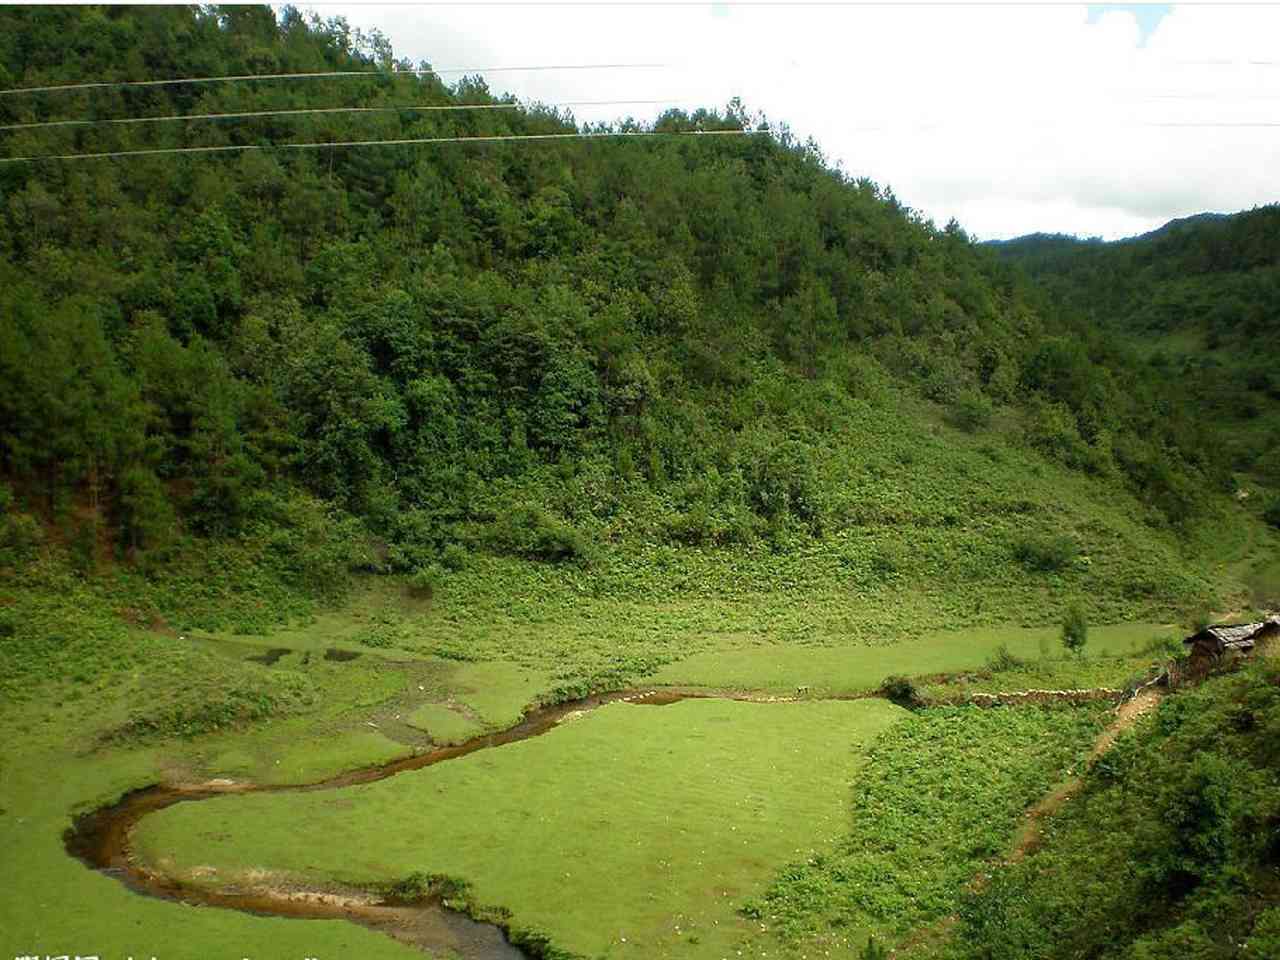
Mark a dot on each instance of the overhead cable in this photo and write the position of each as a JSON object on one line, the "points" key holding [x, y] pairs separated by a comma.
{"points": [[408, 108], [426, 71], [310, 145]]}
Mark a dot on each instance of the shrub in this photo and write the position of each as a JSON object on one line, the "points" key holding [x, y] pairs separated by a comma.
{"points": [[454, 557], [424, 581], [1075, 629], [886, 561], [1199, 618], [1195, 834], [1265, 939], [19, 533], [530, 531], [902, 691], [1002, 661], [1045, 552], [1162, 646], [420, 886], [1052, 430], [972, 411], [1272, 513], [782, 480]]}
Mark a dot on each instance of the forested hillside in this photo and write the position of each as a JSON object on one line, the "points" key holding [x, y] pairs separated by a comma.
{"points": [[1200, 300], [529, 349]]}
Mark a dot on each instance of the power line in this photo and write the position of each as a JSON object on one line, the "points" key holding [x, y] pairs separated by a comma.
{"points": [[370, 143], [408, 108], [103, 84], [1246, 124]]}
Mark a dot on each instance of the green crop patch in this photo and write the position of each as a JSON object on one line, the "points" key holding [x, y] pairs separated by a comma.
{"points": [[855, 669], [632, 828]]}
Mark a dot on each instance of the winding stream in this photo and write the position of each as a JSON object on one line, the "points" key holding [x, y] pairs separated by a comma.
{"points": [[100, 839]]}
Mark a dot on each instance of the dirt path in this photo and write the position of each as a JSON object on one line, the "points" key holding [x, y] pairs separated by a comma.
{"points": [[1127, 714], [1031, 834]]}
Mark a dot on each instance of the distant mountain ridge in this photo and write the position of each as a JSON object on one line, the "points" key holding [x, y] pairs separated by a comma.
{"points": [[1042, 238]]}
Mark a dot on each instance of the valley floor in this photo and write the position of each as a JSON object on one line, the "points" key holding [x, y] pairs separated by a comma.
{"points": [[690, 830]]}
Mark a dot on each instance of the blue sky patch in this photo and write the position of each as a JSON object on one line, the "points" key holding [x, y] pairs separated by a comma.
{"points": [[1148, 15]]}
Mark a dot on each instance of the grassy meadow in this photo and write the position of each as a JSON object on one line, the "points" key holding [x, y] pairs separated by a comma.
{"points": [[115, 704], [631, 831]]}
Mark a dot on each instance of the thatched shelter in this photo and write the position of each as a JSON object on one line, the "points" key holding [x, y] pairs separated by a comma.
{"points": [[1220, 640]]}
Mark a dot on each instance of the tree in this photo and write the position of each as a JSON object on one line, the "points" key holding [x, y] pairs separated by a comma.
{"points": [[1075, 629]]}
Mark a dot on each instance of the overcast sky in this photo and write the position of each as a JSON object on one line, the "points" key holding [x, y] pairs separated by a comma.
{"points": [[1012, 118]]}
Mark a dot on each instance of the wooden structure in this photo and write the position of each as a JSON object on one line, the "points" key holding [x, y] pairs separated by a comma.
{"points": [[1230, 639]]}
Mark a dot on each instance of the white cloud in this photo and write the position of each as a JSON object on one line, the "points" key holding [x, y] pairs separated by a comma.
{"points": [[1011, 119]]}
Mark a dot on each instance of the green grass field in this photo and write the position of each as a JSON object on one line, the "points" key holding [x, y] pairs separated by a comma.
{"points": [[95, 707], [631, 831], [856, 669], [60, 907]]}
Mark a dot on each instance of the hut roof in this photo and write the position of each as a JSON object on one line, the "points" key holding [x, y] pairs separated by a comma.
{"points": [[1235, 636]]}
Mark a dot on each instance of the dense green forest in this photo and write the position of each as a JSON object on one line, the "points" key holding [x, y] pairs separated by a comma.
{"points": [[1199, 300], [432, 341]]}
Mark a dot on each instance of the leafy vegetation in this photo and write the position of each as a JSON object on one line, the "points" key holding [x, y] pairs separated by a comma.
{"points": [[1075, 629], [1170, 850], [1272, 513], [1195, 302], [940, 796], [1047, 552], [524, 352]]}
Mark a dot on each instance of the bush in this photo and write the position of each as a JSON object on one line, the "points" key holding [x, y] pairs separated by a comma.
{"points": [[421, 886], [529, 531], [886, 561], [1195, 834], [1045, 552], [972, 411], [19, 533], [454, 558], [902, 691], [425, 581], [1002, 661], [1272, 513], [782, 480], [1265, 938], [1162, 646], [1075, 629]]}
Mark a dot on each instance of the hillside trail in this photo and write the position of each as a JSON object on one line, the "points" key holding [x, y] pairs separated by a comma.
{"points": [[1127, 714], [1032, 833]]}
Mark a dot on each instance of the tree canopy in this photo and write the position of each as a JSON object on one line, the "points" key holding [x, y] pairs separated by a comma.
{"points": [[424, 337]]}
